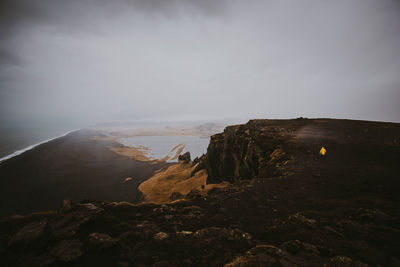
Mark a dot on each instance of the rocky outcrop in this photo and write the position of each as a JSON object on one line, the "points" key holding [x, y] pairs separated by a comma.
{"points": [[255, 149], [185, 234], [101, 241], [67, 250], [32, 233], [185, 157]]}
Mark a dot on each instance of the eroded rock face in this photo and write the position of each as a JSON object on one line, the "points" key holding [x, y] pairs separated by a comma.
{"points": [[245, 151]]}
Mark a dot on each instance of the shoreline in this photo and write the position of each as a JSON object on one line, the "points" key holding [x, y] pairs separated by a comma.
{"points": [[73, 167], [21, 151]]}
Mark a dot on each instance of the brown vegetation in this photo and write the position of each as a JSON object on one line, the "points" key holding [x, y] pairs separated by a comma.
{"points": [[131, 152], [176, 178]]}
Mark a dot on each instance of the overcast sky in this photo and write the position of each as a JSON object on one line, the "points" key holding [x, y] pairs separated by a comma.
{"points": [[94, 61]]}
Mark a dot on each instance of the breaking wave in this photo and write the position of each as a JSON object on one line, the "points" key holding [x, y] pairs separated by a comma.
{"points": [[19, 152]]}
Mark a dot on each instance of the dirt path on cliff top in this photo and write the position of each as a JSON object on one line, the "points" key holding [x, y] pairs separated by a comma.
{"points": [[361, 169], [360, 155], [359, 174]]}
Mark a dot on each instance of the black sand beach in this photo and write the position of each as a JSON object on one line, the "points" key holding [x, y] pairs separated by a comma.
{"points": [[72, 167]]}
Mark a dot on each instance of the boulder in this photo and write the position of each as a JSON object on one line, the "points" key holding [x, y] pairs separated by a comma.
{"points": [[67, 250], [185, 157], [160, 236], [68, 224], [340, 261], [29, 234], [298, 247], [101, 241]]}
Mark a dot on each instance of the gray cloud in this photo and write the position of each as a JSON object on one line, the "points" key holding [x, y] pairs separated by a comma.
{"points": [[14, 13], [94, 61], [8, 58]]}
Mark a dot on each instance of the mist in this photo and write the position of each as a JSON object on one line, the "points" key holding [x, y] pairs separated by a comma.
{"points": [[85, 62]]}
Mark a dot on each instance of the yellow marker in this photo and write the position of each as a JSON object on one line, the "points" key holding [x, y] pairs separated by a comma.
{"points": [[322, 151]]}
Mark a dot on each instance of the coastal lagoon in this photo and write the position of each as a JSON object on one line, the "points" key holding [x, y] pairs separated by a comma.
{"points": [[160, 146]]}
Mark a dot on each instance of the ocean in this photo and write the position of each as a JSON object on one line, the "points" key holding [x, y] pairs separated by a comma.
{"points": [[14, 140]]}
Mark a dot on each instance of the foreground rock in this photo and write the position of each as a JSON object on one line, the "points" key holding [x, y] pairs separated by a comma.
{"points": [[67, 250], [209, 231], [30, 234], [101, 241]]}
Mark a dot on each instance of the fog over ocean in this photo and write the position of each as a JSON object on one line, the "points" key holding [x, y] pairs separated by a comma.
{"points": [[160, 146], [15, 139]]}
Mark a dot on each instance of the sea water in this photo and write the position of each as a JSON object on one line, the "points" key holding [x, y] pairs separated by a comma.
{"points": [[160, 146], [20, 135], [5, 150]]}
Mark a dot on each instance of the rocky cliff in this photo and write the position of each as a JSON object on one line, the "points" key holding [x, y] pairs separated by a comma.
{"points": [[255, 149]]}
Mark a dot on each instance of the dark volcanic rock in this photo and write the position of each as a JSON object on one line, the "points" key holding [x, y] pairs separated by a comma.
{"points": [[195, 161], [73, 219], [201, 164], [29, 234], [268, 255], [245, 151], [298, 247], [101, 241], [185, 157], [67, 250], [176, 195]]}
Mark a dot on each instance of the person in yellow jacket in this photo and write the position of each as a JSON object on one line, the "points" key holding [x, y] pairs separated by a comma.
{"points": [[322, 152]]}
